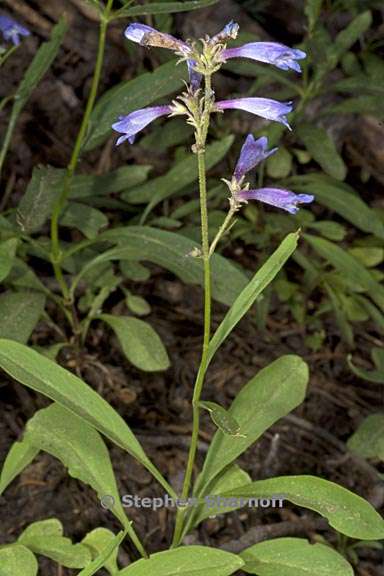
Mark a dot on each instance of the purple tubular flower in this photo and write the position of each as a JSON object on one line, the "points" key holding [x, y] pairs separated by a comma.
{"points": [[12, 30], [278, 197], [195, 77], [264, 107], [134, 122], [148, 36], [229, 32], [274, 53], [252, 153]]}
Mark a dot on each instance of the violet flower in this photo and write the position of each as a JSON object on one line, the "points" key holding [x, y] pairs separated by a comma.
{"points": [[12, 30], [273, 53], [278, 197], [134, 122], [252, 153], [229, 32], [264, 107]]}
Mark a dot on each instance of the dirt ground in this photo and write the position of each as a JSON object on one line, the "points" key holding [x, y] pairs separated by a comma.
{"points": [[157, 406]]}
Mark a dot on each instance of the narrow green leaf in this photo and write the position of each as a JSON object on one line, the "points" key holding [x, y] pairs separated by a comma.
{"points": [[19, 457], [346, 264], [132, 95], [272, 393], [322, 149], [221, 417], [7, 256], [347, 37], [342, 199], [345, 511], [252, 291], [312, 11], [46, 538], [36, 205], [294, 557], [85, 218], [186, 561], [17, 560], [80, 448], [41, 374], [19, 314], [97, 541], [173, 252], [368, 440], [163, 8], [140, 343]]}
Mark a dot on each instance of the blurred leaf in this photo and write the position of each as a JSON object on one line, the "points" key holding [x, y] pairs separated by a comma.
{"points": [[186, 561], [347, 37], [172, 133], [348, 265], [85, 185], [134, 270], [163, 8], [340, 316], [279, 165], [97, 540], [173, 252], [7, 256], [368, 440], [375, 376], [17, 560], [322, 149], [360, 105], [46, 538], [294, 557], [85, 218], [36, 205], [312, 11], [19, 314], [132, 95], [341, 198], [345, 511], [139, 341], [331, 230], [367, 255], [137, 304]]}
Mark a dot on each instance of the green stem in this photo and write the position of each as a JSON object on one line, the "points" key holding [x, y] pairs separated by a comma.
{"points": [[222, 230], [56, 254], [200, 146]]}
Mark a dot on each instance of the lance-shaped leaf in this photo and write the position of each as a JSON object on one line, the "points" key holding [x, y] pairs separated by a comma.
{"points": [[19, 457], [270, 395], [7, 256], [186, 561], [345, 511], [97, 541], [294, 557], [104, 555], [368, 440], [162, 8], [19, 314], [45, 376], [323, 150], [46, 538]]}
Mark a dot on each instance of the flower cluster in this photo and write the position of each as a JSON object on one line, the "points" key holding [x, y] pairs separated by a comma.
{"points": [[205, 62], [12, 30], [252, 153]]}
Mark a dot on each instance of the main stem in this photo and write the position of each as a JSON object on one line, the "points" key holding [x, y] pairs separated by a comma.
{"points": [[56, 255], [200, 146]]}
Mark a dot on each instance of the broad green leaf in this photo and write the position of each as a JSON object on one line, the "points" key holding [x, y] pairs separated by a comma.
{"points": [[186, 561], [36, 205], [19, 314], [38, 67], [342, 199], [139, 341], [79, 447], [85, 218], [163, 8], [232, 477], [181, 174], [252, 291], [19, 457], [370, 256], [294, 557], [7, 256], [97, 541], [107, 552], [173, 252], [322, 149], [46, 538], [132, 95], [44, 376], [272, 393], [221, 417], [345, 511], [355, 272], [17, 560], [368, 440], [137, 304]]}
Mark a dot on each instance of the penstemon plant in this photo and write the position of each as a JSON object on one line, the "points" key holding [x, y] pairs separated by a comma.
{"points": [[71, 427]]}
